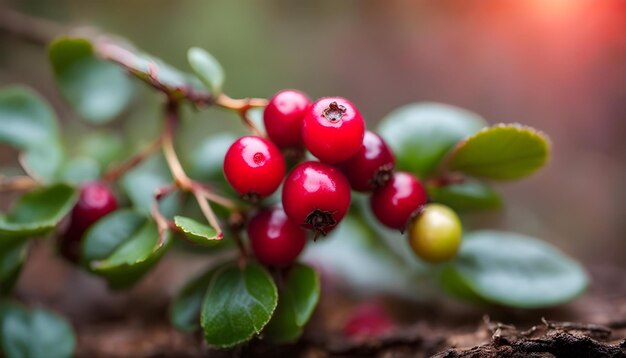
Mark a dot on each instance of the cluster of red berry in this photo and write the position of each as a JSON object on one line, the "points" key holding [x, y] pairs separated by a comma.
{"points": [[316, 194]]}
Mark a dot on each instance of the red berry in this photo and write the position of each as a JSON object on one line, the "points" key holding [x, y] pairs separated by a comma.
{"points": [[254, 167], [275, 240], [333, 129], [316, 196], [396, 202], [367, 321], [283, 118], [371, 167], [95, 201]]}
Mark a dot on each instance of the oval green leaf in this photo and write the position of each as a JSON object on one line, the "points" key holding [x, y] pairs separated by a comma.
{"points": [[98, 90], [187, 305], [79, 170], [26, 119], [467, 196], [43, 162], [207, 159], [237, 304], [501, 152], [297, 301], [207, 68], [104, 147], [37, 212], [36, 333], [421, 134], [122, 247], [199, 233], [141, 182], [513, 270]]}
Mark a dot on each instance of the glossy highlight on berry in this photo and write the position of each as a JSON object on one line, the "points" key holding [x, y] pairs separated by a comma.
{"points": [[254, 167], [316, 196]]}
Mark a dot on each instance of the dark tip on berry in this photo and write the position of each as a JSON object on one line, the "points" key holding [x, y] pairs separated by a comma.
{"points": [[321, 222], [251, 197], [382, 176], [334, 112]]}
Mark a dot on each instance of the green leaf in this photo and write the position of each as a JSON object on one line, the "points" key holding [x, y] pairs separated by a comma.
{"points": [[466, 196], [37, 212], [237, 305], [513, 270], [80, 170], [104, 147], [421, 134], [297, 301], [98, 90], [44, 161], [11, 261], [207, 68], [36, 333], [26, 119], [122, 247], [141, 182], [502, 152], [187, 305], [197, 232], [207, 159]]}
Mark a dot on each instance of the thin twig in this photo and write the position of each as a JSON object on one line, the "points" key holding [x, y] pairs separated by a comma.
{"points": [[209, 214], [18, 183], [163, 224], [117, 171]]}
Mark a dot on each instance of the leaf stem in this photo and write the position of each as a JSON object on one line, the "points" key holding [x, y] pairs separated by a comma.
{"points": [[18, 183]]}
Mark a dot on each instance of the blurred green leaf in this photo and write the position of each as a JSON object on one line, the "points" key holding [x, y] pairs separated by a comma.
{"points": [[513, 270], [421, 134], [11, 261], [44, 161], [199, 233], [207, 159], [238, 304], [122, 247], [503, 152], [36, 333], [466, 196], [104, 147], [186, 307], [141, 182], [98, 90], [297, 301], [207, 68], [26, 119], [37, 212], [80, 170]]}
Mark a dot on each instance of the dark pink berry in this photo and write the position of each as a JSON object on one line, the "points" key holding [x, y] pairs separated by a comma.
{"points": [[397, 201], [275, 240], [372, 166]]}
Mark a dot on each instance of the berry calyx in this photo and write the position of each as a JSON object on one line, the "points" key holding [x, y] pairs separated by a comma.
{"points": [[396, 202], [254, 167], [333, 129], [283, 118], [274, 239], [435, 234], [95, 201], [372, 166], [316, 196], [368, 320]]}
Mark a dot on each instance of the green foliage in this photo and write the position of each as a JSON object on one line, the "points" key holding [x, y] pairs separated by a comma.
{"points": [[207, 159], [11, 261], [122, 247], [36, 213], [98, 90], [513, 270], [26, 119], [104, 147], [199, 233], [238, 304], [44, 161], [207, 68], [187, 305], [80, 170], [421, 134], [466, 196], [34, 333], [297, 301], [501, 152], [141, 182]]}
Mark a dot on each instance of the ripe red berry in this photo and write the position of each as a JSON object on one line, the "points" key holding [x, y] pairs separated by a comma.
{"points": [[254, 167], [283, 118], [275, 240], [333, 129], [372, 166], [95, 201], [316, 196], [367, 321], [396, 202]]}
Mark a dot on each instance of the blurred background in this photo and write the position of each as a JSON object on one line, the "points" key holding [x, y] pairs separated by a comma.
{"points": [[556, 65]]}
